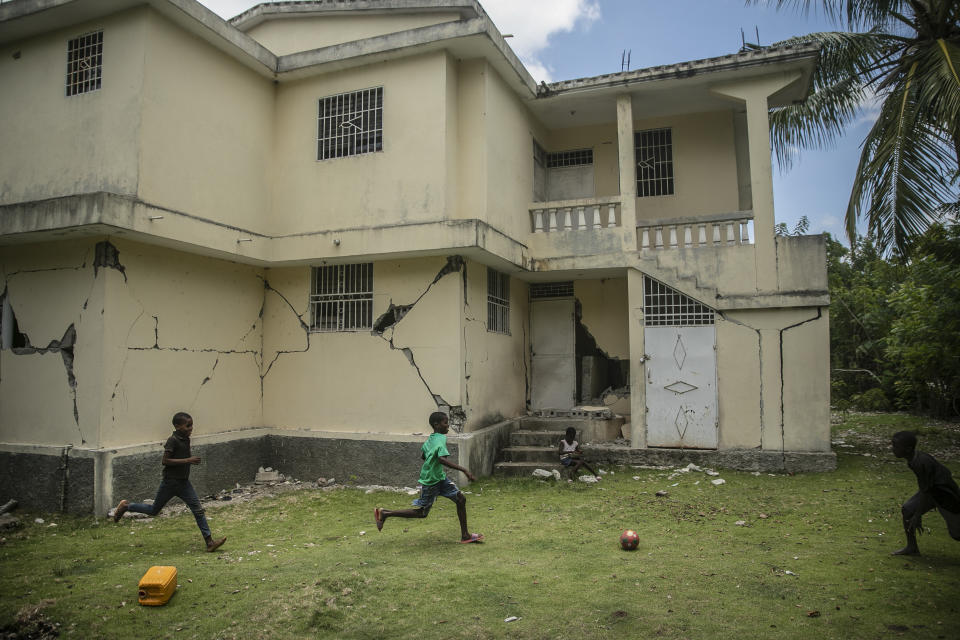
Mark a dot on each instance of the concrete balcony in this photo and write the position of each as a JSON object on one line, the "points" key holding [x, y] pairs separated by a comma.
{"points": [[727, 229], [583, 214]]}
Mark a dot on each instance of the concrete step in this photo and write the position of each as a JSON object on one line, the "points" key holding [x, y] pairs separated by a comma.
{"points": [[524, 468], [540, 455], [535, 438]]}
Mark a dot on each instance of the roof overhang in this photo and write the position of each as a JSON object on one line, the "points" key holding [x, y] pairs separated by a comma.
{"points": [[466, 9], [674, 89]]}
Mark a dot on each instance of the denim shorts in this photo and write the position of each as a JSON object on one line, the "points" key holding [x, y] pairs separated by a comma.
{"points": [[428, 493], [567, 461]]}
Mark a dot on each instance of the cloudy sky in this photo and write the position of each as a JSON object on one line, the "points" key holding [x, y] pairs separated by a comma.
{"points": [[565, 39]]}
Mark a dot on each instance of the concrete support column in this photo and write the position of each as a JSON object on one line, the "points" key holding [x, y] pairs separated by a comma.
{"points": [[638, 369], [771, 391], [628, 172], [753, 93]]}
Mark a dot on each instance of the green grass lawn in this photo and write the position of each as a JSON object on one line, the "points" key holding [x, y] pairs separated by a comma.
{"points": [[761, 556]]}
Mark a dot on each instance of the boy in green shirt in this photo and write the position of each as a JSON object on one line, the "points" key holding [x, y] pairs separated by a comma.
{"points": [[434, 482]]}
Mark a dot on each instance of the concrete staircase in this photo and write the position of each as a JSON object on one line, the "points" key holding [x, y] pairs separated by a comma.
{"points": [[534, 444]]}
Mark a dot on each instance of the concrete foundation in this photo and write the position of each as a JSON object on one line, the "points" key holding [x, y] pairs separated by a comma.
{"points": [[767, 461]]}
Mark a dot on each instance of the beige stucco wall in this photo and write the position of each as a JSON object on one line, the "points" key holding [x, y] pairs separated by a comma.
{"points": [[359, 381], [183, 334], [604, 305], [51, 287], [509, 131], [767, 400], [704, 167], [55, 145], [602, 139], [496, 364], [207, 136], [283, 35], [402, 184]]}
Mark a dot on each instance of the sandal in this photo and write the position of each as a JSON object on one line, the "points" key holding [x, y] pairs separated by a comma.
{"points": [[474, 537]]}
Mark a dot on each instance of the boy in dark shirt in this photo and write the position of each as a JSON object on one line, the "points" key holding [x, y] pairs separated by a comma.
{"points": [[937, 490], [176, 481], [434, 482]]}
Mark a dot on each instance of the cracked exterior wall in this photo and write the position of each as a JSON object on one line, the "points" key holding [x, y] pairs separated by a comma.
{"points": [[46, 394], [604, 307], [773, 372], [184, 335], [496, 366], [363, 381]]}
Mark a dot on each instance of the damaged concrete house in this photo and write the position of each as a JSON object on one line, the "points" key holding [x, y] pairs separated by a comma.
{"points": [[315, 223]]}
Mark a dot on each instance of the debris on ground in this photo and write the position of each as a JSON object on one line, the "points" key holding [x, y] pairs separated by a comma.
{"points": [[268, 475], [31, 623]]}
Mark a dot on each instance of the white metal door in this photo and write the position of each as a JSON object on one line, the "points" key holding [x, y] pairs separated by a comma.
{"points": [[681, 387], [552, 354]]}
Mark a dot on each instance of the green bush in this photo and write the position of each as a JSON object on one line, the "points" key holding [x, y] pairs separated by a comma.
{"points": [[871, 400]]}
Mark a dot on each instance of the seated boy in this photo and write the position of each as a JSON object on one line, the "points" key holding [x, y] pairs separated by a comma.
{"points": [[570, 454], [937, 490]]}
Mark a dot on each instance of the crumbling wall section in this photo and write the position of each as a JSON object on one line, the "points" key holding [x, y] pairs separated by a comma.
{"points": [[384, 380]]}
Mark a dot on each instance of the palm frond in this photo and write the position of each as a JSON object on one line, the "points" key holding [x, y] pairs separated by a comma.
{"points": [[900, 185]]}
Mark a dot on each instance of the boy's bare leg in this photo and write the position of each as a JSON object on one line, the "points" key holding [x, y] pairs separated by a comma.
{"points": [[400, 513], [461, 501]]}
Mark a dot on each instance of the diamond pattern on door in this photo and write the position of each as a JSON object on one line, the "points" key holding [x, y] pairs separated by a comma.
{"points": [[680, 387], [681, 422], [679, 353]]}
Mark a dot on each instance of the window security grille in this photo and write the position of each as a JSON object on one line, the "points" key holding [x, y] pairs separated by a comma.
{"points": [[543, 290], [498, 301], [653, 150], [341, 297], [350, 124], [573, 158], [664, 306], [84, 63]]}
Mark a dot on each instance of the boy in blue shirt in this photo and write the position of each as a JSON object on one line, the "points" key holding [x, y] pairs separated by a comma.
{"points": [[176, 481], [434, 482]]}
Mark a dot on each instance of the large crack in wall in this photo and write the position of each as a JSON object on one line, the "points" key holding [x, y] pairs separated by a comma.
{"points": [[18, 341], [395, 313]]}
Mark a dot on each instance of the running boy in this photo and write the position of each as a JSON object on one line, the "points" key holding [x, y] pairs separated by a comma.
{"points": [[434, 482], [571, 455], [937, 490], [176, 481]]}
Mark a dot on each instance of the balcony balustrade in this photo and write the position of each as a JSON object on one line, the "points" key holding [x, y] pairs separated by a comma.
{"points": [[575, 215], [698, 231]]}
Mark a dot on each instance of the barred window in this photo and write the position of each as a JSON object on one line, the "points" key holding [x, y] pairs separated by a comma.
{"points": [[664, 306], [572, 158], [498, 301], [350, 124], [341, 297], [653, 150], [542, 290], [84, 63]]}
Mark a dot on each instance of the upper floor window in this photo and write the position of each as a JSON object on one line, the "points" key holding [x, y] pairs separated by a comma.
{"points": [[653, 150], [498, 301], [350, 124], [84, 63], [572, 158], [341, 297]]}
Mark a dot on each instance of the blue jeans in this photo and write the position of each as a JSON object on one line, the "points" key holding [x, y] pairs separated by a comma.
{"points": [[428, 493], [182, 489]]}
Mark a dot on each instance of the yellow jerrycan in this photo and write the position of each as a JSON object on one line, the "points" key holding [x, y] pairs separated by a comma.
{"points": [[157, 585]]}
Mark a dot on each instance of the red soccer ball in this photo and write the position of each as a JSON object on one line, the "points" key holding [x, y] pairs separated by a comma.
{"points": [[629, 540]]}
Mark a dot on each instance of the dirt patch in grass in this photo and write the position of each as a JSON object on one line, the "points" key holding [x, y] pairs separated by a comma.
{"points": [[30, 624]]}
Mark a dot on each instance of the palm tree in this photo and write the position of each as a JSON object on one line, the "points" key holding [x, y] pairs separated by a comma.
{"points": [[905, 54]]}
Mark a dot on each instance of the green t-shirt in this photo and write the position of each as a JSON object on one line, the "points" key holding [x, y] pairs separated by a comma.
{"points": [[432, 471]]}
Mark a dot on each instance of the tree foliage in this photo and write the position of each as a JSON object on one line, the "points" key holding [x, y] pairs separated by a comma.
{"points": [[905, 55], [895, 323]]}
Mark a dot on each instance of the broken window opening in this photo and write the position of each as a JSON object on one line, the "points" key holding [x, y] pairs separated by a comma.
{"points": [[341, 297], [84, 63], [498, 302]]}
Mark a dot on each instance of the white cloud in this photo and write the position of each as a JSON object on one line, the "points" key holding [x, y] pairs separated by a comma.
{"points": [[532, 23]]}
